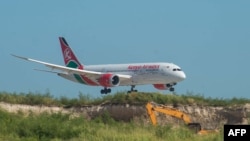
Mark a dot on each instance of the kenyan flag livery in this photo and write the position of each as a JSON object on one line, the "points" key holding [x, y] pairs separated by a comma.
{"points": [[71, 61]]}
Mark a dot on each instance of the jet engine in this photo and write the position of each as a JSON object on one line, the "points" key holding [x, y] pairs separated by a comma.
{"points": [[109, 80]]}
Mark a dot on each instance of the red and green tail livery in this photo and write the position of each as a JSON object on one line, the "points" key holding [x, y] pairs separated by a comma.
{"points": [[71, 61]]}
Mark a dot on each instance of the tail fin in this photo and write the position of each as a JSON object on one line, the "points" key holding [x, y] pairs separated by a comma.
{"points": [[70, 59]]}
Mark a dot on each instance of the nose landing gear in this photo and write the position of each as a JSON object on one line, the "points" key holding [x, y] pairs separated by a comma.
{"points": [[132, 89], [170, 86]]}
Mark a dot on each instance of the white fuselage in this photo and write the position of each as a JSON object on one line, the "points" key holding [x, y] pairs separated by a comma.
{"points": [[143, 73]]}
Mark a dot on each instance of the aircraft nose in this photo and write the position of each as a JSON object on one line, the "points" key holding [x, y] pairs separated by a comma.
{"points": [[181, 76]]}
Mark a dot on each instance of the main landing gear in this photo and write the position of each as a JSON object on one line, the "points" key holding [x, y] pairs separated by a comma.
{"points": [[108, 90], [132, 89], [105, 91]]}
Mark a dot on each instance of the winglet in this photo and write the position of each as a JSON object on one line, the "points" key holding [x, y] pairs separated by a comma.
{"points": [[24, 58]]}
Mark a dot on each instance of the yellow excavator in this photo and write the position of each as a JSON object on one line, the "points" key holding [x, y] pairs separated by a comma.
{"points": [[154, 107]]}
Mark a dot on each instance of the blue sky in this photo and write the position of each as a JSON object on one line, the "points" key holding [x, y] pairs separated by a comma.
{"points": [[209, 39]]}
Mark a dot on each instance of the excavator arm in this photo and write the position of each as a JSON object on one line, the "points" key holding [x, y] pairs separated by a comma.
{"points": [[151, 113], [165, 110]]}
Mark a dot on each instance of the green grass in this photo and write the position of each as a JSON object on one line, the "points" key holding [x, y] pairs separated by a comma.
{"points": [[119, 97], [59, 127]]}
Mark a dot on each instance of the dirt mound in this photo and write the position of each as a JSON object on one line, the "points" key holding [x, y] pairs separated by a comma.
{"points": [[209, 117]]}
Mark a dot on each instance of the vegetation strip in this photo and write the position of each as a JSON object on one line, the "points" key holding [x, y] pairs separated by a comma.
{"points": [[61, 126]]}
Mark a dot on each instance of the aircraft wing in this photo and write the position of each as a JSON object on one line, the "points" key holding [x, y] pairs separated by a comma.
{"points": [[90, 74]]}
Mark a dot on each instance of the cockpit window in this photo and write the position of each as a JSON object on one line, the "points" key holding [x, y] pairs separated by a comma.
{"points": [[176, 69]]}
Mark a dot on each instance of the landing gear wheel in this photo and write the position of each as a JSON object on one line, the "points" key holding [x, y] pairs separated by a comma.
{"points": [[108, 90], [105, 91], [170, 86], [171, 89]]}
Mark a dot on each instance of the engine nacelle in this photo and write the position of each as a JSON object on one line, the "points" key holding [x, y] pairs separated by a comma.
{"points": [[109, 80], [162, 86]]}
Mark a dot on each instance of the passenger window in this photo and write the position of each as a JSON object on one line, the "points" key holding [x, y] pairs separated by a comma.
{"points": [[174, 69]]}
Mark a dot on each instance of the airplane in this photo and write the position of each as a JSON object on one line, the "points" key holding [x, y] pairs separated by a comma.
{"points": [[162, 75]]}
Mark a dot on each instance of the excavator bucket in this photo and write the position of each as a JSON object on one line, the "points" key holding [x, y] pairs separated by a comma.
{"points": [[196, 127]]}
